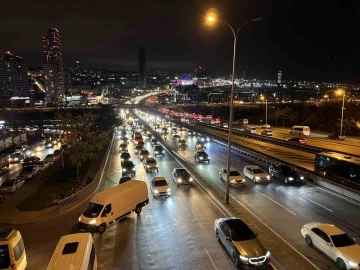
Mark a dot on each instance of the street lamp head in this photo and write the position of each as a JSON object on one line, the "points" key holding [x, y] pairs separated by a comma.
{"points": [[210, 18], [340, 92]]}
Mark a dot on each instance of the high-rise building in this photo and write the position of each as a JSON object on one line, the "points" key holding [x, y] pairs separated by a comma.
{"points": [[77, 67], [13, 78], [53, 66], [279, 77], [142, 67]]}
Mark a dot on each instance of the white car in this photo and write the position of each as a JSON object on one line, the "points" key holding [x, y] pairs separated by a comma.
{"points": [[225, 125], [236, 178], [159, 187], [150, 164], [266, 126], [256, 174], [123, 147], [334, 243]]}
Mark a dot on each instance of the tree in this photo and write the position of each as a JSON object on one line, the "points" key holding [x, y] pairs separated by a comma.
{"points": [[82, 135]]}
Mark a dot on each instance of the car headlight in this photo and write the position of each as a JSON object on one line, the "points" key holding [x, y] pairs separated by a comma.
{"points": [[243, 258], [352, 264], [156, 152], [156, 191], [147, 166], [268, 177], [179, 180], [301, 177], [92, 222], [232, 181], [122, 159], [267, 254], [201, 158], [133, 169], [191, 179], [257, 177], [168, 190], [290, 178], [16, 159], [163, 152], [124, 170]]}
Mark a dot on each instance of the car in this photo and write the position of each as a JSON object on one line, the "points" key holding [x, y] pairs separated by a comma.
{"points": [[144, 154], [125, 156], [174, 130], [128, 167], [225, 125], [158, 150], [125, 179], [236, 178], [150, 164], [285, 173], [30, 160], [42, 165], [266, 126], [191, 133], [29, 172], [160, 187], [256, 174], [141, 143], [39, 147], [29, 152], [16, 158], [176, 137], [164, 131], [251, 130], [242, 244], [124, 140], [182, 177], [203, 138], [123, 147], [11, 185], [201, 156], [336, 137], [50, 158], [267, 132], [154, 142], [334, 243], [138, 148], [181, 144], [200, 146], [297, 140]]}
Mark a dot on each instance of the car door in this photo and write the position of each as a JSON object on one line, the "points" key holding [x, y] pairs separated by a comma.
{"points": [[279, 173], [223, 174], [328, 247], [107, 214], [227, 239], [320, 239]]}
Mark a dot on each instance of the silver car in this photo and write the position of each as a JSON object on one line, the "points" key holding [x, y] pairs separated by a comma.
{"points": [[241, 243], [11, 185]]}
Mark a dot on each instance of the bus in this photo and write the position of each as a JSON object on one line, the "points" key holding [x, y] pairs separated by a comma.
{"points": [[344, 169], [300, 130]]}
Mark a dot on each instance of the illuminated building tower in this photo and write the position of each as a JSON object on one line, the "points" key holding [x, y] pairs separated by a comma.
{"points": [[53, 66], [142, 67], [13, 77], [77, 67], [279, 77]]}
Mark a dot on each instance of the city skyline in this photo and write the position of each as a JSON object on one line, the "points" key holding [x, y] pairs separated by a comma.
{"points": [[306, 43]]}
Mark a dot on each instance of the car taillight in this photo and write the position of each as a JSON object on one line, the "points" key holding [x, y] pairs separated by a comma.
{"points": [[13, 267]]}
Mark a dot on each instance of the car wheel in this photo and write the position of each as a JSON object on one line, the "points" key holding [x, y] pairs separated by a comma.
{"points": [[341, 264], [235, 259], [138, 209], [217, 236], [102, 228], [308, 240]]}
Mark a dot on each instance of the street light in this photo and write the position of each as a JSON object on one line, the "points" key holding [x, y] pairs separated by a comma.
{"points": [[266, 110], [341, 92], [214, 19]]}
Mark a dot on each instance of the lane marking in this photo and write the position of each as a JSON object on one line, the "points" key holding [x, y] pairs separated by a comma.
{"points": [[273, 267], [275, 202], [320, 205], [211, 260]]}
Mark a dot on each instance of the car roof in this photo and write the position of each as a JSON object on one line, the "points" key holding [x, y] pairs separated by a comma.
{"points": [[231, 169], [253, 167], [330, 229], [158, 178]]}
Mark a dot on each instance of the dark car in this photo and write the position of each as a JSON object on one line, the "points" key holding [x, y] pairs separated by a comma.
{"points": [[29, 172], [241, 243], [285, 173], [128, 167], [125, 156], [154, 142], [138, 148], [182, 177], [124, 179], [30, 161], [57, 153], [11, 185], [201, 156], [297, 139], [159, 150], [16, 158], [336, 137]]}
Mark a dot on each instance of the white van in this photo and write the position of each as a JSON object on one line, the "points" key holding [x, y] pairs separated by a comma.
{"points": [[74, 251], [12, 250], [112, 204], [300, 130]]}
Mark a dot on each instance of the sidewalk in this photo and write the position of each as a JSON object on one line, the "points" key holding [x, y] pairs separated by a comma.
{"points": [[9, 213]]}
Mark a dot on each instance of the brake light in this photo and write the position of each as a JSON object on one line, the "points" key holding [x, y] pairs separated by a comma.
{"points": [[13, 267]]}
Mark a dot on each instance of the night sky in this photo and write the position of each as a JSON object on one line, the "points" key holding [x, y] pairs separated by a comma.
{"points": [[309, 39]]}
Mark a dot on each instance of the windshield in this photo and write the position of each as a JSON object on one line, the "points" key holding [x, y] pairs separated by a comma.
{"points": [[8, 184], [144, 152], [160, 183], [257, 171], [159, 148], [202, 153], [234, 173], [150, 160], [123, 145], [93, 210], [4, 257], [139, 146], [342, 240], [240, 231], [125, 155]]}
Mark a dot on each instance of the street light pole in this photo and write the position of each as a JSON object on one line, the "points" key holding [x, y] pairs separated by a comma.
{"points": [[227, 192], [342, 114]]}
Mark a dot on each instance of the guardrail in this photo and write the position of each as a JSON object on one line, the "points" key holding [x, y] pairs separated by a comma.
{"points": [[267, 160], [293, 145]]}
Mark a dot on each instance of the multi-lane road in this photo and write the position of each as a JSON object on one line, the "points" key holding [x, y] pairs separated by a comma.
{"points": [[177, 232]]}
